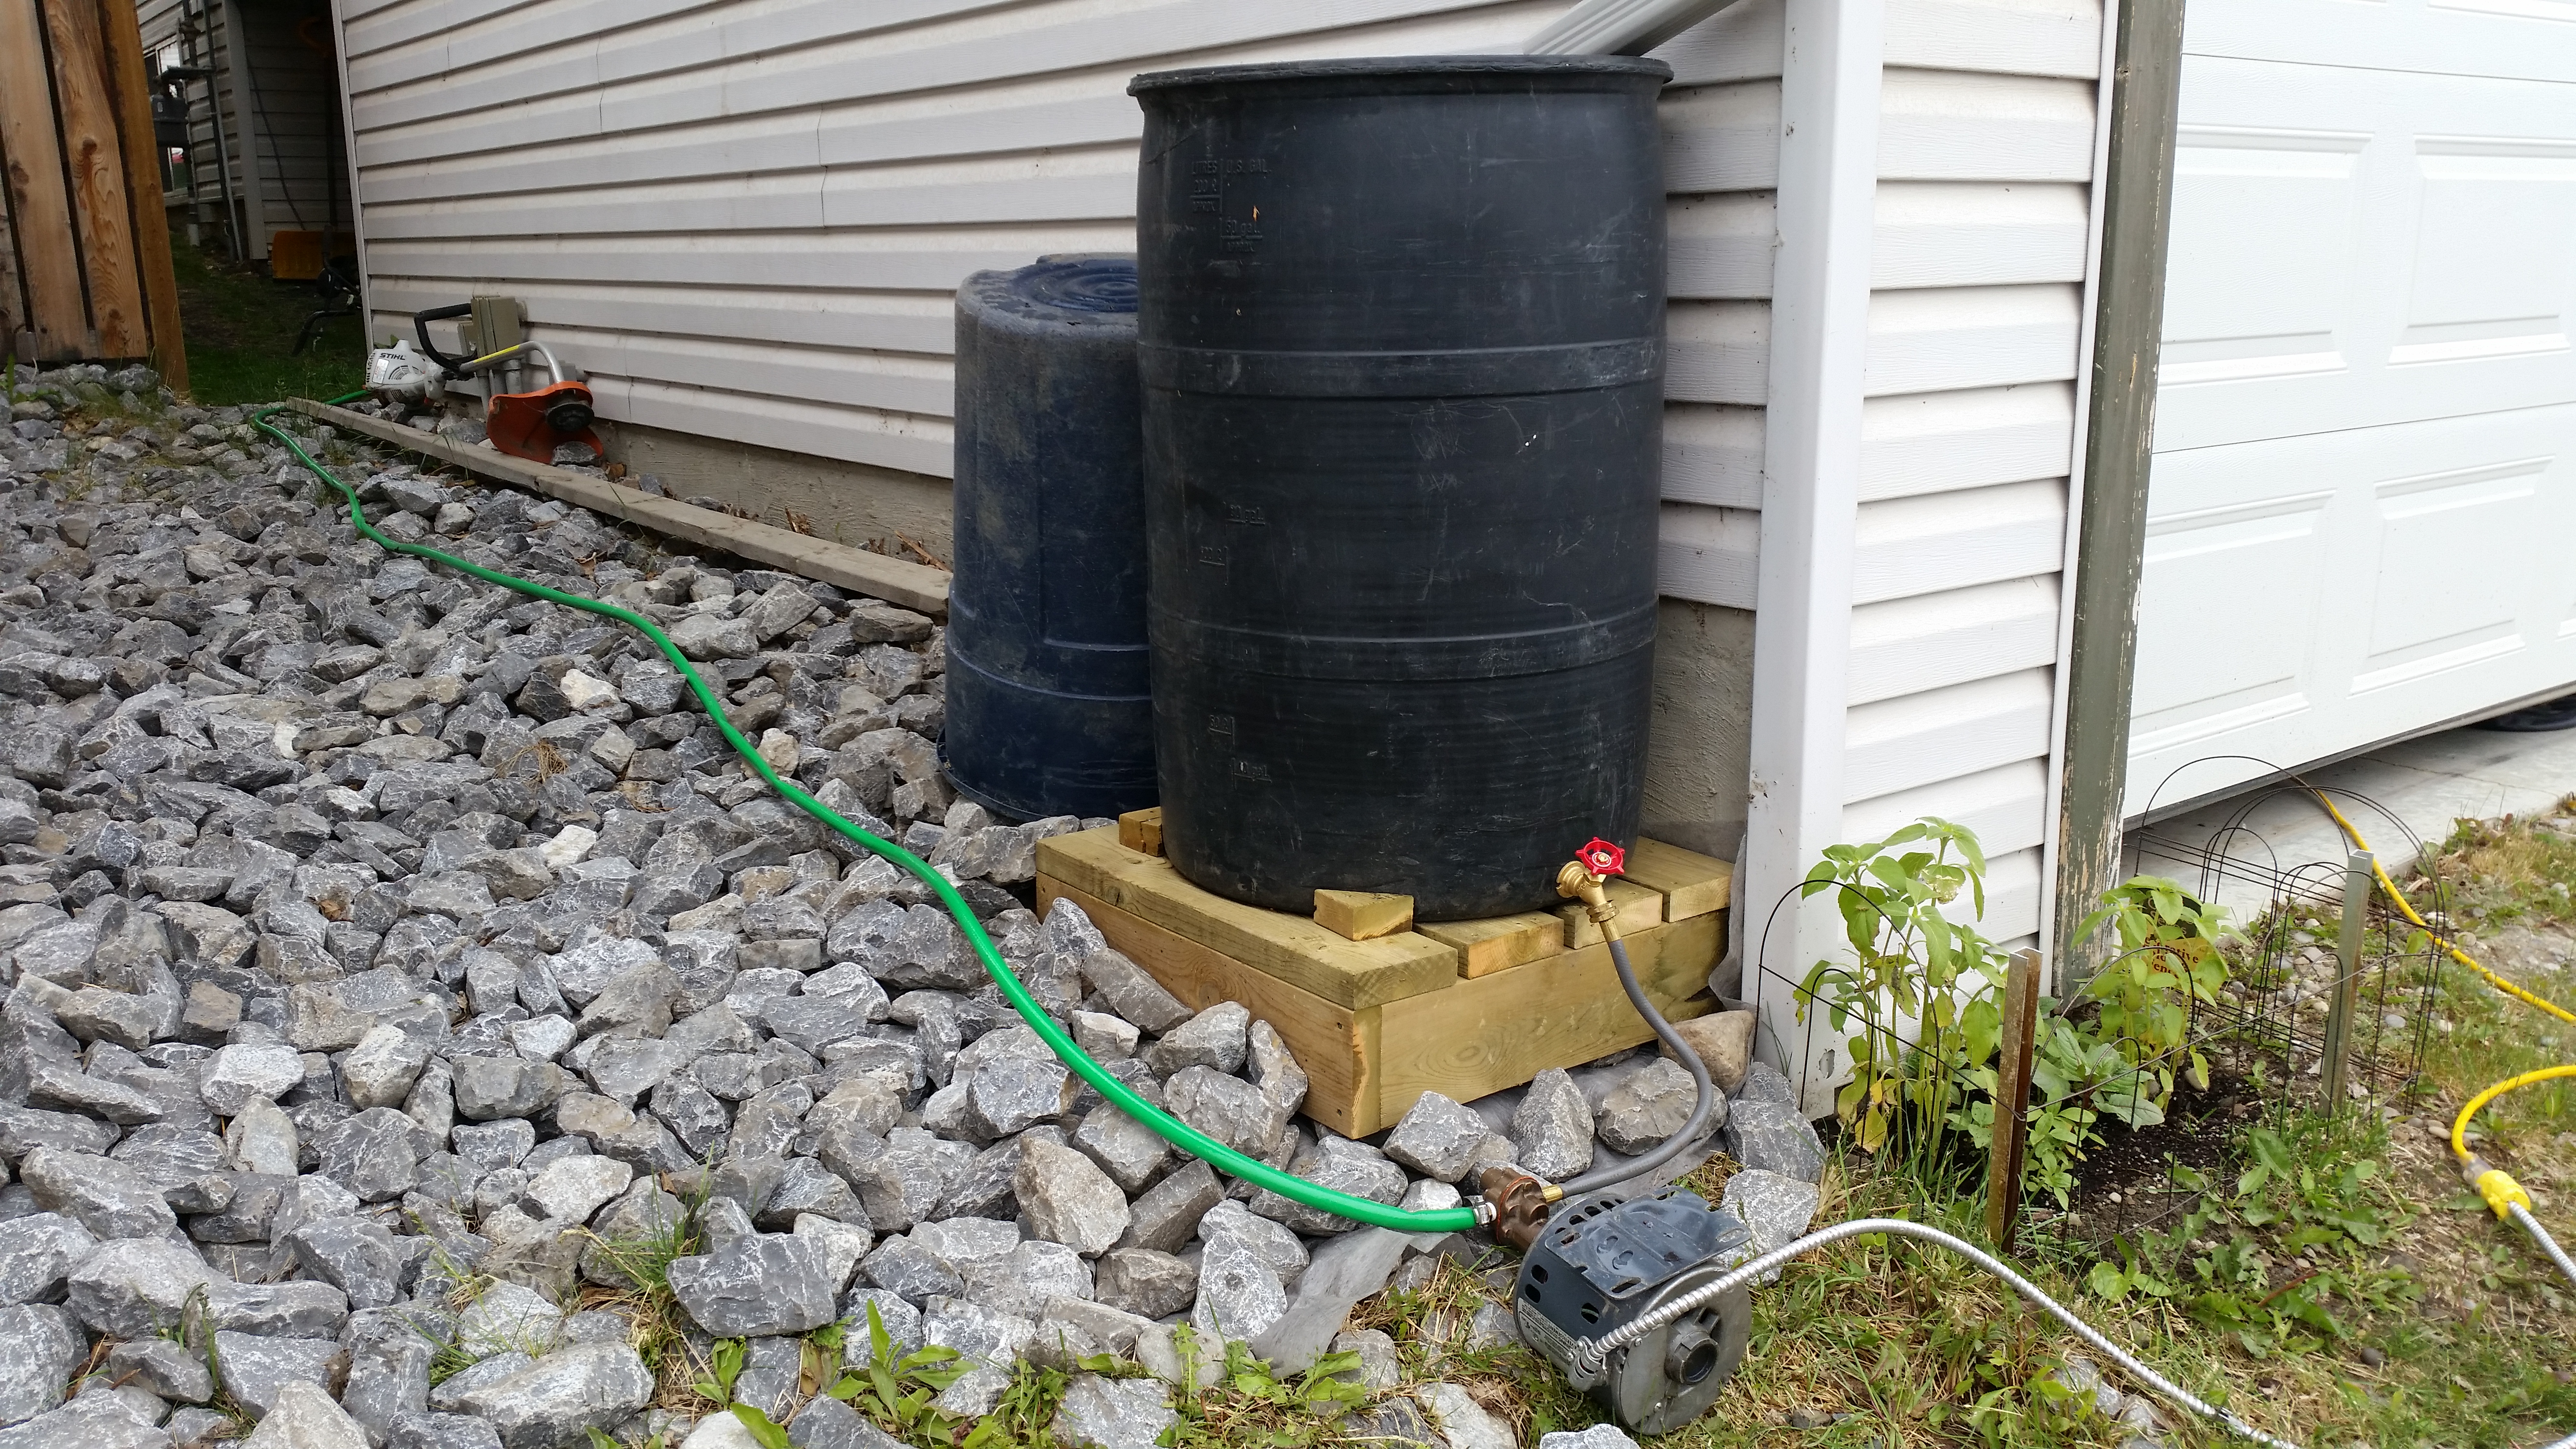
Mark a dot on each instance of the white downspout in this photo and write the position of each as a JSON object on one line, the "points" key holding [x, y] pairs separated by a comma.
{"points": [[1620, 27]]}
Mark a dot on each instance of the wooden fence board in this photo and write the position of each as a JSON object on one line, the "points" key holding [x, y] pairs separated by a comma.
{"points": [[12, 308], [132, 88], [94, 156], [46, 255]]}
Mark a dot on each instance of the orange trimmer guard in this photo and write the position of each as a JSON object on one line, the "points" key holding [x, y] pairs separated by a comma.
{"points": [[532, 424]]}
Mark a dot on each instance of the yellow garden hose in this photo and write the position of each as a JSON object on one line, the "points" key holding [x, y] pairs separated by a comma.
{"points": [[2504, 1196]]}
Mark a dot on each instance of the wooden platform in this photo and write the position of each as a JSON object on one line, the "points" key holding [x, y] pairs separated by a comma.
{"points": [[1461, 1008]]}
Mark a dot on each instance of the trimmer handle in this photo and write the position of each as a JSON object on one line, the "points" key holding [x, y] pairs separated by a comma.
{"points": [[454, 366]]}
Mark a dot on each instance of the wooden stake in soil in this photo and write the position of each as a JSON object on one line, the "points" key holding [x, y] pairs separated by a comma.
{"points": [[2012, 1098], [2359, 880]]}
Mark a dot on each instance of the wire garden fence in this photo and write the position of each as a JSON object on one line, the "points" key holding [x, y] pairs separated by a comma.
{"points": [[2135, 1079]]}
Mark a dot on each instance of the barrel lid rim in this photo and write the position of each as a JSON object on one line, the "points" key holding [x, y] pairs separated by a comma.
{"points": [[1403, 65]]}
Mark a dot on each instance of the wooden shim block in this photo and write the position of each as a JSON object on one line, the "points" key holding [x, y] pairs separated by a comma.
{"points": [[1500, 1030], [132, 90], [1337, 1048], [1497, 943], [1639, 908], [1363, 915], [1142, 830], [48, 258], [1351, 974], [915, 586], [94, 157], [1691, 884]]}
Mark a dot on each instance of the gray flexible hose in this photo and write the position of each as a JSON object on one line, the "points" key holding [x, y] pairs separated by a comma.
{"points": [[1604, 1176], [1592, 1355], [2548, 1244]]}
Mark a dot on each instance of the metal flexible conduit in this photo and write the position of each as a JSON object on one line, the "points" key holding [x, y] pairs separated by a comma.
{"points": [[1180, 1134], [2540, 1235], [1681, 1050], [1591, 1355]]}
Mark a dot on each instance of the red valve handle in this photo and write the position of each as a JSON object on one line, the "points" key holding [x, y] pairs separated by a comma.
{"points": [[1602, 858]]}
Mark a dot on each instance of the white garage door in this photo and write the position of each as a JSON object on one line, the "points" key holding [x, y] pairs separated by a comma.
{"points": [[2362, 520]]}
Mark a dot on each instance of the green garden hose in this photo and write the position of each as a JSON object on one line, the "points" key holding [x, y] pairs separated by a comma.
{"points": [[1180, 1134]]}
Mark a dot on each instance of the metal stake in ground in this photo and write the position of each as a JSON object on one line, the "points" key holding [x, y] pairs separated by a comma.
{"points": [[2012, 1098], [2359, 877]]}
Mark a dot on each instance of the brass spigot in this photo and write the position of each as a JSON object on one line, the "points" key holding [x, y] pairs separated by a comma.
{"points": [[1586, 878]]}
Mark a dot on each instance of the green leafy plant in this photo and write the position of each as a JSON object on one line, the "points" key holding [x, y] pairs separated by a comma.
{"points": [[1919, 1002], [1248, 1403], [898, 1392], [724, 1366], [2169, 961]]}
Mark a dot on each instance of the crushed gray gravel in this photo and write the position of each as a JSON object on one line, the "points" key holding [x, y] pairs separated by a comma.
{"points": [[385, 950]]}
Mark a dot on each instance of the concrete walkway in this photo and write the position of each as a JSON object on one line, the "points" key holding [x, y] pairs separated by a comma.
{"points": [[2414, 790]]}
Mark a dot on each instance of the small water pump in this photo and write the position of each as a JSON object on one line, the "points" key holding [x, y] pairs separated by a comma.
{"points": [[1599, 1262]]}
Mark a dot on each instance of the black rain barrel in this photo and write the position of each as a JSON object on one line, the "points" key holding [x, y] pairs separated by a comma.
{"points": [[1048, 707], [1402, 333]]}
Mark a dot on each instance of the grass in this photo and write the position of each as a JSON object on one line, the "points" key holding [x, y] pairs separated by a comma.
{"points": [[239, 326]]}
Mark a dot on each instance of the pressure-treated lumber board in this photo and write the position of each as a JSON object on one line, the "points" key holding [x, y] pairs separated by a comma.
{"points": [[1142, 830], [1498, 1031], [94, 158], [1638, 906], [132, 90], [1691, 884], [915, 586], [1366, 1068], [47, 255], [1348, 973], [1337, 1047], [1496, 943], [1363, 915]]}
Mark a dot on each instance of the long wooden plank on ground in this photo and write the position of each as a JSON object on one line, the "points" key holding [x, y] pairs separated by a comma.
{"points": [[1692, 884], [132, 90], [915, 586], [94, 157], [48, 256], [1337, 1047], [1497, 943], [1348, 973], [1497, 1031]]}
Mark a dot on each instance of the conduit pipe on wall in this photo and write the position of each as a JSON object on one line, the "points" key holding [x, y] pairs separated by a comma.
{"points": [[1620, 27]]}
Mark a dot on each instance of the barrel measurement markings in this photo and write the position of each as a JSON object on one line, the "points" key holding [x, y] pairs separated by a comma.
{"points": [[1245, 514], [1210, 553]]}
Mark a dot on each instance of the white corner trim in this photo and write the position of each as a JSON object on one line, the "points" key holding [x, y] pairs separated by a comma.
{"points": [[1829, 117]]}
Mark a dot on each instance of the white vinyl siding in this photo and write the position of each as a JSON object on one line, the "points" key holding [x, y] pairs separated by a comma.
{"points": [[1982, 234], [281, 113]]}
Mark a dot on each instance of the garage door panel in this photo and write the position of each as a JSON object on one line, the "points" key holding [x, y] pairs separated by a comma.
{"points": [[2510, 39], [2491, 272], [2356, 247], [2303, 597]]}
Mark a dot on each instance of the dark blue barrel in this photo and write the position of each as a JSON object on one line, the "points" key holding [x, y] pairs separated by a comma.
{"points": [[1048, 708]]}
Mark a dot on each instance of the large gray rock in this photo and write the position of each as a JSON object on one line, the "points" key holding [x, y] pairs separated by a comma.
{"points": [[1240, 1296], [45, 1345], [382, 1067], [38, 1252], [1553, 1127], [556, 1401], [1229, 1109], [305, 1417], [93, 1421], [439, 1431], [1342, 1165], [360, 1257], [1167, 1216], [105, 1196], [1649, 1106], [1129, 989], [375, 1154], [1774, 1137], [827, 1423], [160, 1366], [1144, 1282], [1214, 1039], [1106, 1413], [1068, 1199], [256, 1368], [236, 1074], [262, 1139], [766, 1283], [1464, 1423], [1437, 1137], [1776, 1207], [1128, 1150]]}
